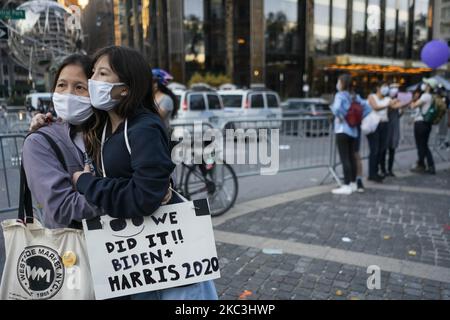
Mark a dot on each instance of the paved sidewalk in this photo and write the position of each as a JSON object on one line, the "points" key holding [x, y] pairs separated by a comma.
{"points": [[310, 244]]}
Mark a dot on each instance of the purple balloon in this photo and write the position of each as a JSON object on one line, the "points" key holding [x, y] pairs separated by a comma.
{"points": [[435, 54]]}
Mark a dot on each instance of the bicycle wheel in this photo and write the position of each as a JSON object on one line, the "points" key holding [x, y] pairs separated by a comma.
{"points": [[219, 184]]}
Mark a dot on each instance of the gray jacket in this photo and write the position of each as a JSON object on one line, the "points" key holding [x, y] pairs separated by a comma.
{"points": [[51, 185]]}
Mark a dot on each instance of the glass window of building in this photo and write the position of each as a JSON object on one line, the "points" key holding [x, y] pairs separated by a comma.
{"points": [[194, 36], [338, 28], [402, 28], [420, 26], [373, 27], [321, 26], [358, 27], [281, 29], [241, 33], [215, 37], [390, 37], [282, 45]]}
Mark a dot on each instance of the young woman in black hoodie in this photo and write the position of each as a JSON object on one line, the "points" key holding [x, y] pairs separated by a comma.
{"points": [[130, 148]]}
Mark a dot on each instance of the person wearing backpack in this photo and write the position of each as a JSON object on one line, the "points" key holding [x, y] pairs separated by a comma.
{"points": [[423, 125], [380, 102], [348, 111]]}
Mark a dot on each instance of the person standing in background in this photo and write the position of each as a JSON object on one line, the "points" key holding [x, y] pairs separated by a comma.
{"points": [[346, 135], [380, 103], [165, 99], [393, 135], [422, 128]]}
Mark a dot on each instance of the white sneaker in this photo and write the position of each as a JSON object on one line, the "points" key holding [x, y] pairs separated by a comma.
{"points": [[344, 190], [354, 186]]}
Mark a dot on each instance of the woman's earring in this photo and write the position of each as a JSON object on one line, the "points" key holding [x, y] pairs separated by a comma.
{"points": [[124, 94]]}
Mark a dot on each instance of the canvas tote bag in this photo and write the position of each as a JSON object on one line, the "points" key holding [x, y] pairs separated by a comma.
{"points": [[43, 263]]}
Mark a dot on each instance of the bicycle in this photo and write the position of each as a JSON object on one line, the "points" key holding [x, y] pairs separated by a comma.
{"points": [[216, 182]]}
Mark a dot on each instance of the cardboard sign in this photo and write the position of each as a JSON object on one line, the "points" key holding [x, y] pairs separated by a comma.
{"points": [[173, 247], [405, 97]]}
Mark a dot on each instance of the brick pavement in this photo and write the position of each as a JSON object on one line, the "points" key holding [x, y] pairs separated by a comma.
{"points": [[408, 227]]}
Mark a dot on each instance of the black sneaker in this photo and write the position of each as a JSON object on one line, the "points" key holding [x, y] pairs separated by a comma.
{"points": [[360, 186], [418, 169], [391, 174], [431, 170], [376, 179]]}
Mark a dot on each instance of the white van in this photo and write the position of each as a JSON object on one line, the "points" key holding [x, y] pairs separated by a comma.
{"points": [[200, 104], [39, 101], [251, 104]]}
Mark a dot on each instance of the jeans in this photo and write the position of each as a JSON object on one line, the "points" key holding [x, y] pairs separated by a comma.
{"points": [[422, 131], [199, 291], [346, 147]]}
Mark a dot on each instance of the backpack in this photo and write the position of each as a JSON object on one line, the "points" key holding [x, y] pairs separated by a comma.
{"points": [[436, 111], [354, 114]]}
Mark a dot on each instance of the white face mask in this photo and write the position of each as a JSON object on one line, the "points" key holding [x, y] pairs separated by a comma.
{"points": [[393, 92], [423, 87], [72, 108], [384, 90], [100, 93]]}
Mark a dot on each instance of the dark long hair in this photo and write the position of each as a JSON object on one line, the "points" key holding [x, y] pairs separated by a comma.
{"points": [[74, 59], [85, 63], [172, 96], [346, 81], [132, 69]]}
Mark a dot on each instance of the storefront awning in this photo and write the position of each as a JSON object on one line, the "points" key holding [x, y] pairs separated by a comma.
{"points": [[352, 63]]}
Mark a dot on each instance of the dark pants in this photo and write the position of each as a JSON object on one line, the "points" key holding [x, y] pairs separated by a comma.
{"points": [[378, 146], [346, 147], [391, 159], [422, 131]]}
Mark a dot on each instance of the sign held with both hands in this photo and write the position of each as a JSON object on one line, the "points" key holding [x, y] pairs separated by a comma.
{"points": [[173, 247]]}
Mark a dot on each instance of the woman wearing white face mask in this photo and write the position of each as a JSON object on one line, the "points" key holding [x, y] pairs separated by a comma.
{"points": [[380, 102], [393, 136], [48, 176], [131, 150], [422, 128]]}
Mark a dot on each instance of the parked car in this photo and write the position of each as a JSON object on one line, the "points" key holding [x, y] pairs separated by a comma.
{"points": [[252, 104], [313, 110], [40, 102]]}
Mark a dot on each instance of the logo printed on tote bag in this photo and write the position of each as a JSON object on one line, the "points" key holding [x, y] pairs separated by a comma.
{"points": [[40, 272]]}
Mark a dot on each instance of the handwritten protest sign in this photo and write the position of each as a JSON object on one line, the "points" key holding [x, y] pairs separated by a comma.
{"points": [[172, 247]]}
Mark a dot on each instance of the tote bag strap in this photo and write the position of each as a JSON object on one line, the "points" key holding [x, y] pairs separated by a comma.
{"points": [[25, 198]]}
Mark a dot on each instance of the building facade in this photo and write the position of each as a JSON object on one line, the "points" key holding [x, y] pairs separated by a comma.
{"points": [[14, 78], [441, 25], [371, 39], [296, 47]]}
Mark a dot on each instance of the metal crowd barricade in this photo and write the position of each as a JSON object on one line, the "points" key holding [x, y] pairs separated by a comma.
{"points": [[15, 122], [10, 159], [304, 143]]}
